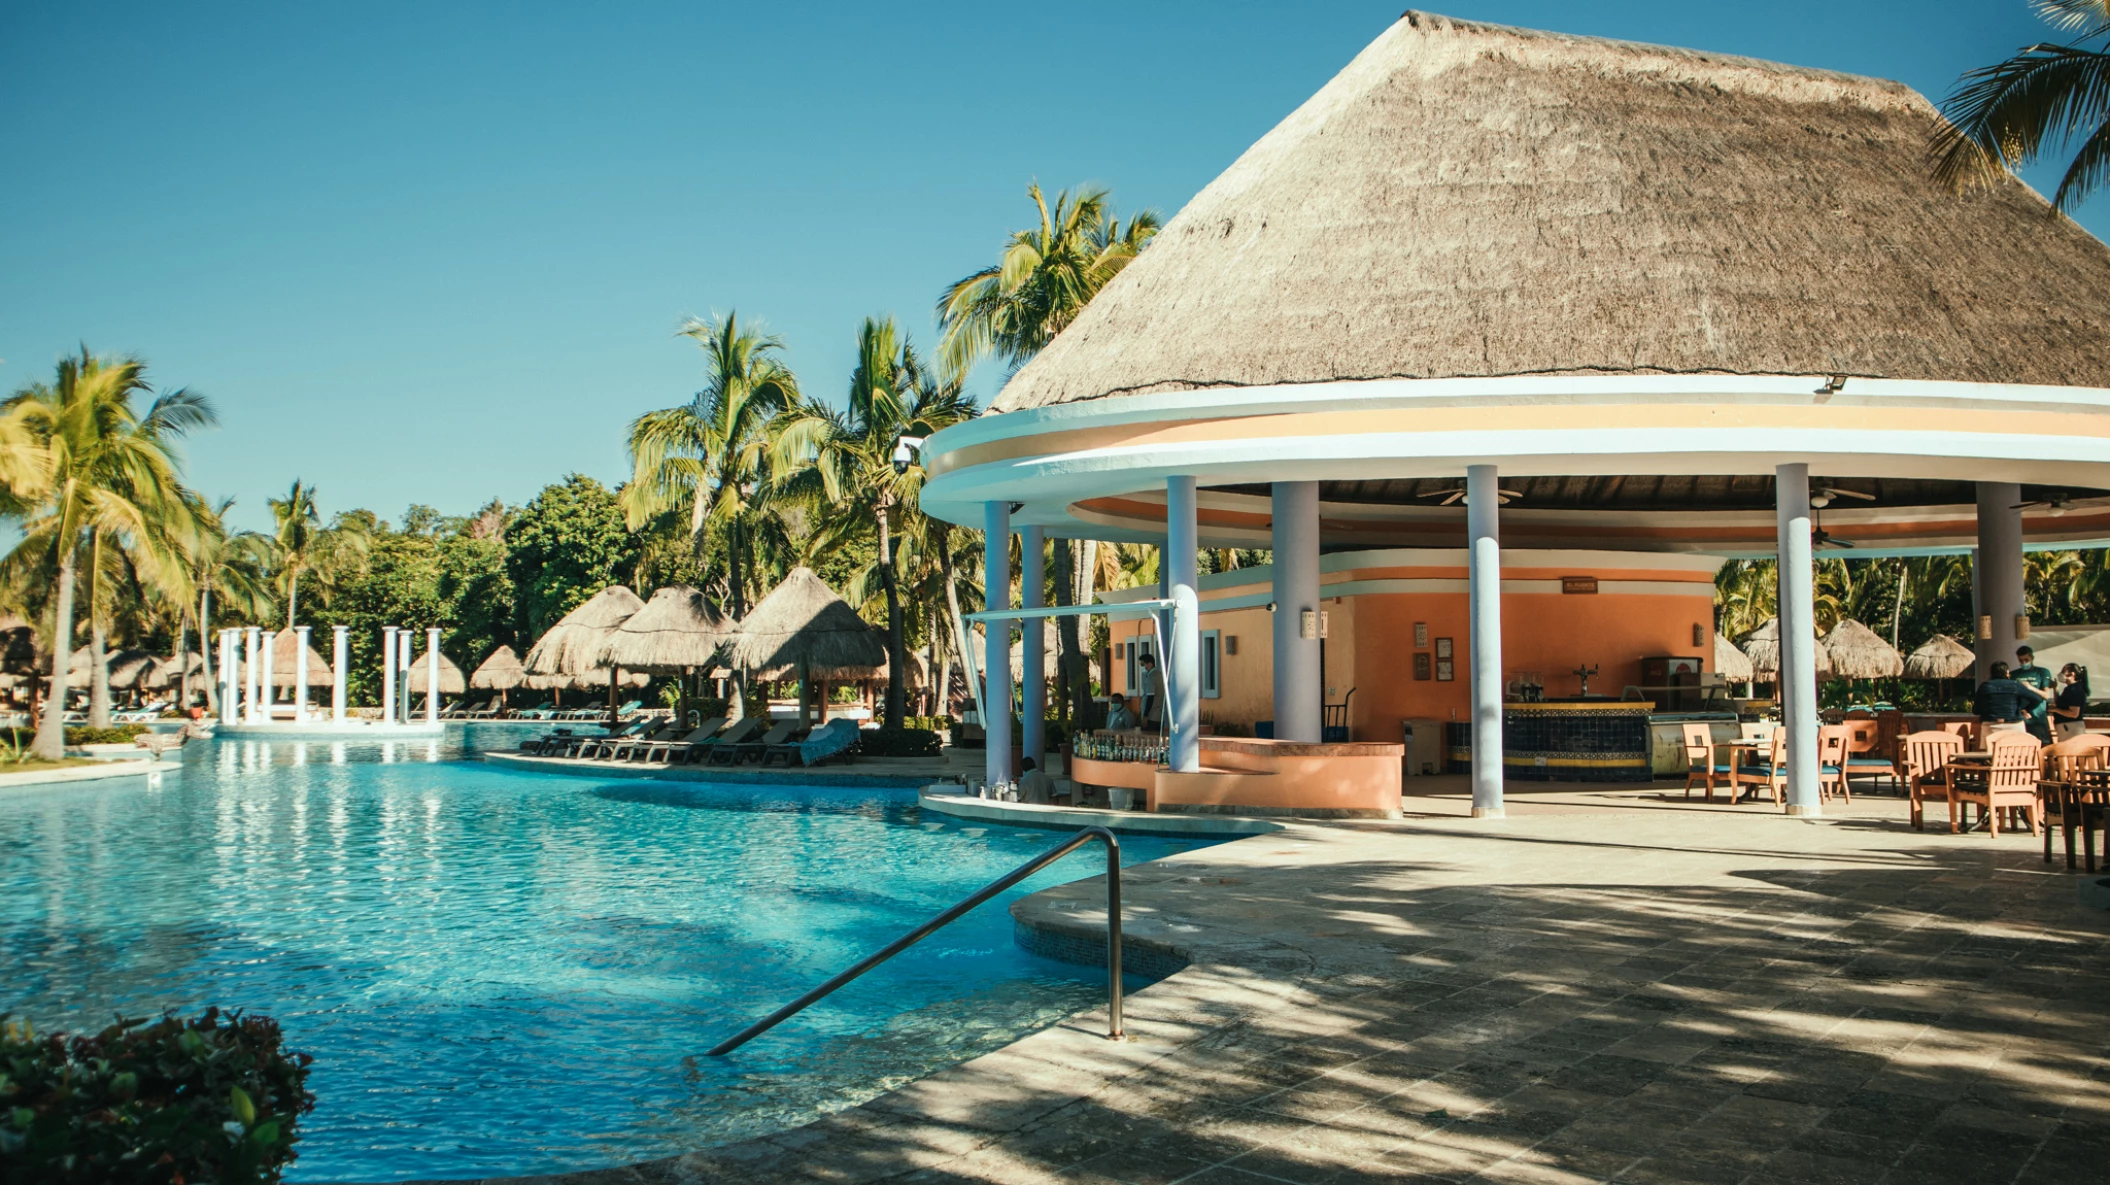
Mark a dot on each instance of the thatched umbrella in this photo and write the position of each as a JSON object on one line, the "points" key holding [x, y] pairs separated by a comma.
{"points": [[1857, 652], [418, 677], [501, 672], [285, 651], [1940, 658], [1763, 648], [802, 627], [674, 634], [1730, 663], [127, 667], [572, 647]]}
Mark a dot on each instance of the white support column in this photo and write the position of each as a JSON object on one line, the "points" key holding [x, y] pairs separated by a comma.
{"points": [[1300, 704], [269, 693], [1183, 666], [1483, 518], [432, 675], [388, 673], [403, 640], [1998, 569], [996, 641], [300, 673], [1798, 637], [230, 700], [1032, 584], [340, 653], [249, 709]]}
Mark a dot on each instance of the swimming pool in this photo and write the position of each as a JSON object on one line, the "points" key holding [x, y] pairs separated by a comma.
{"points": [[508, 973]]}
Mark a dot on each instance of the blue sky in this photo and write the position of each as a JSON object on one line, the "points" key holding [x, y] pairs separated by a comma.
{"points": [[437, 253]]}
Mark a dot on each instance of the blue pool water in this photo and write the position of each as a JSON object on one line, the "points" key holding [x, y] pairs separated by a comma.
{"points": [[507, 973]]}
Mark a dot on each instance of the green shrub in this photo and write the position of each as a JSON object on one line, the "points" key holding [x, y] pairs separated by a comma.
{"points": [[932, 723], [163, 1103], [81, 734], [899, 742]]}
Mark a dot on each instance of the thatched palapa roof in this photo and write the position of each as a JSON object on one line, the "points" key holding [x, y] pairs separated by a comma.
{"points": [[573, 645], [674, 632], [1469, 200], [285, 649], [802, 623], [1858, 652], [1730, 663], [127, 668], [451, 681], [1763, 648], [1940, 657], [500, 672]]}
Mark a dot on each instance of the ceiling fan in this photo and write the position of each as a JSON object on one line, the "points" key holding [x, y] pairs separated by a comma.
{"points": [[1826, 495], [1502, 497], [1819, 537]]}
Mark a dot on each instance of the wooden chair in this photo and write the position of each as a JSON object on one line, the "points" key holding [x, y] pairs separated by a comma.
{"points": [[1865, 754], [2008, 783], [2063, 798], [1967, 729], [1771, 771], [1834, 743], [1700, 762], [1924, 758]]}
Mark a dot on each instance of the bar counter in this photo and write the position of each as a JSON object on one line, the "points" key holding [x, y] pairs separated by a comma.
{"points": [[1586, 741]]}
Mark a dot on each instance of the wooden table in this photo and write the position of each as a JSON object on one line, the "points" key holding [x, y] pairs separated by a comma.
{"points": [[2090, 791]]}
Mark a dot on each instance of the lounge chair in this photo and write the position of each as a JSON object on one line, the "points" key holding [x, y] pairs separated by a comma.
{"points": [[706, 750], [600, 746], [628, 746], [737, 752], [833, 740], [539, 746], [665, 750]]}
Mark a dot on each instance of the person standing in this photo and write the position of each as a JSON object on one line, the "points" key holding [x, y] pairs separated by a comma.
{"points": [[2002, 704], [2069, 710], [1150, 682], [2040, 683]]}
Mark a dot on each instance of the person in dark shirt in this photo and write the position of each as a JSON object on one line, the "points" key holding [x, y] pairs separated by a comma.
{"points": [[2037, 717], [2069, 711], [2001, 703]]}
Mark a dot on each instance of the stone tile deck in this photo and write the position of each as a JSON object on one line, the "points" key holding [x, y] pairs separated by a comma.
{"points": [[1606, 986]]}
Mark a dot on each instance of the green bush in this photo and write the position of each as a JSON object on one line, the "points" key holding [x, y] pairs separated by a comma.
{"points": [[899, 742], [214, 1099], [81, 734], [932, 723]]}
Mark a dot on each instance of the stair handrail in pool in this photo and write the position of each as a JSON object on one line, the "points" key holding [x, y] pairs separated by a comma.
{"points": [[1113, 937]]}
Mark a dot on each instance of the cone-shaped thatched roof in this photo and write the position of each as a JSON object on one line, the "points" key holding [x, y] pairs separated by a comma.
{"points": [[803, 623], [674, 632], [1763, 648], [1468, 200], [573, 645], [1939, 657], [127, 668], [1729, 662], [285, 649], [500, 672], [451, 682], [1858, 652]]}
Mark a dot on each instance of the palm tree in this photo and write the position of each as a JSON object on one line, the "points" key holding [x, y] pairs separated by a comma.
{"points": [[112, 480], [238, 566], [302, 546], [1045, 278], [842, 462], [2004, 116]]}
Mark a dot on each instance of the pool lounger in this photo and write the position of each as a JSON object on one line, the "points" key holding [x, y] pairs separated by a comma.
{"points": [[735, 754], [831, 740]]}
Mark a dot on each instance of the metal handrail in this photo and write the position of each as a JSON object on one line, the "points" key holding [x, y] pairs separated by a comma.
{"points": [[1113, 937]]}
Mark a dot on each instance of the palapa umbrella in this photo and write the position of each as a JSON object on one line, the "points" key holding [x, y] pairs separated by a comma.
{"points": [[674, 634], [127, 667], [1857, 652], [285, 651], [1729, 662], [572, 647], [419, 675], [802, 627], [1940, 658], [1763, 648], [501, 672]]}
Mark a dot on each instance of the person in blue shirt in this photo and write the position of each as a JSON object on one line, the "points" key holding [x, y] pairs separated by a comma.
{"points": [[2039, 681], [2002, 704]]}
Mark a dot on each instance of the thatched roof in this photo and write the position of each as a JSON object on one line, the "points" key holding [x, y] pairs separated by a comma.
{"points": [[285, 648], [1858, 652], [500, 672], [167, 672], [127, 668], [1939, 657], [573, 645], [451, 681], [596, 680], [1763, 648], [803, 623], [1468, 200], [673, 633], [1730, 663]]}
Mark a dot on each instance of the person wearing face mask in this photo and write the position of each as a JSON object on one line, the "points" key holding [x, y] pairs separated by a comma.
{"points": [[2069, 708]]}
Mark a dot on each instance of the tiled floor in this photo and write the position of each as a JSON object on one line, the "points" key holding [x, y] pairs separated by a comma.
{"points": [[1606, 986]]}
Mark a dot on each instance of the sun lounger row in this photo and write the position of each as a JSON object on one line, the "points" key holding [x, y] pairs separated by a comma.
{"points": [[714, 742]]}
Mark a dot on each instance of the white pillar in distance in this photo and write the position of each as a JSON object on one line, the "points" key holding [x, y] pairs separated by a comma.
{"points": [[1033, 681], [340, 652], [432, 675], [388, 673], [300, 673], [1798, 636], [996, 641], [249, 710], [269, 693], [230, 700], [1299, 702], [1183, 666], [1483, 520], [403, 637]]}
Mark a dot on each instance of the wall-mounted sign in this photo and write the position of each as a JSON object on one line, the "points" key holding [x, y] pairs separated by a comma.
{"points": [[1585, 585], [1443, 648], [1421, 635], [1444, 670], [1422, 669]]}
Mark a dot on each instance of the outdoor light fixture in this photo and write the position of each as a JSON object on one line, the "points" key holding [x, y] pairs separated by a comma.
{"points": [[2021, 626], [1308, 624], [905, 452], [1985, 627], [1833, 385]]}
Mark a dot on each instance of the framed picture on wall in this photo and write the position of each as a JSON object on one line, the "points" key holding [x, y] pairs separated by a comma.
{"points": [[1443, 648], [1422, 668], [1421, 635], [1444, 671]]}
